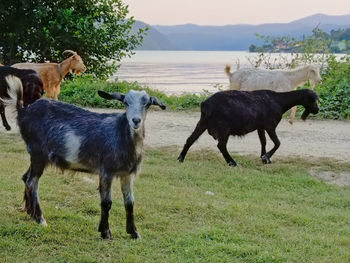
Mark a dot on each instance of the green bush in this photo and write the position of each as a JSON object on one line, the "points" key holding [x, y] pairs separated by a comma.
{"points": [[83, 91], [334, 92]]}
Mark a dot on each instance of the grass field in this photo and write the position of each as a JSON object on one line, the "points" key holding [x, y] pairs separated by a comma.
{"points": [[257, 213]]}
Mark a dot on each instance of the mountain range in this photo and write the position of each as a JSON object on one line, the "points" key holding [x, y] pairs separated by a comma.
{"points": [[233, 37]]}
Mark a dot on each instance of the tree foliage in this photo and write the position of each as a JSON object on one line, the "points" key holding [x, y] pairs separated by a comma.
{"points": [[337, 41], [340, 34], [40, 30], [288, 52]]}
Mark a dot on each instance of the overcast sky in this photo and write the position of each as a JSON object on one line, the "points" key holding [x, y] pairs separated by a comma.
{"points": [[222, 12]]}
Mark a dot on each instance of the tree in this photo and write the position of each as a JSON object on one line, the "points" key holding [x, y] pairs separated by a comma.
{"points": [[39, 30]]}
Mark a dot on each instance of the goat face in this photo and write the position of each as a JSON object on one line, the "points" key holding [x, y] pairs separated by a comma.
{"points": [[310, 105], [136, 103], [77, 64], [314, 76]]}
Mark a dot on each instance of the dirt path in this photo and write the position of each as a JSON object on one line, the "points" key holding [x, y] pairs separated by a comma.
{"points": [[311, 138]]}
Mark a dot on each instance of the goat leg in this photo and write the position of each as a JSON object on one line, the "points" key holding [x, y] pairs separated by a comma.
{"points": [[25, 198], [126, 186], [3, 117], [222, 147], [31, 196], [266, 157], [292, 114], [106, 203], [262, 138], [198, 131]]}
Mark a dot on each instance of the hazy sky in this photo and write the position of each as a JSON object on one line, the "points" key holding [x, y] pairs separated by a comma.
{"points": [[222, 12]]}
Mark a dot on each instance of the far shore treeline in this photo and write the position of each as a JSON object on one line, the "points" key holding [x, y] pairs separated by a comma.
{"points": [[338, 41]]}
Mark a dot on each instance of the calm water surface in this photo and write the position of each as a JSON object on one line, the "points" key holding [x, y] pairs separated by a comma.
{"points": [[176, 72]]}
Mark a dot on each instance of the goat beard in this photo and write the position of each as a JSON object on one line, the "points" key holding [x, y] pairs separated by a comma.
{"points": [[305, 114], [75, 71], [312, 84]]}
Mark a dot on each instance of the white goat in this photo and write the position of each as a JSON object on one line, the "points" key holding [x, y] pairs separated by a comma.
{"points": [[278, 80]]}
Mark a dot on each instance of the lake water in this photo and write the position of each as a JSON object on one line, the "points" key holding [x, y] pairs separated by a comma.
{"points": [[176, 72]]}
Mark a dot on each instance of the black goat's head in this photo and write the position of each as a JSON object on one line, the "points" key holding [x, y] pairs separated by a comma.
{"points": [[136, 103], [310, 104]]}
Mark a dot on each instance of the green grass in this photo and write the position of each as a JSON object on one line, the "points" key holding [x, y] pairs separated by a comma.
{"points": [[83, 91], [258, 213]]}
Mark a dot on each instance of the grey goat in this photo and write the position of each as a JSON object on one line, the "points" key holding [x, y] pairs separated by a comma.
{"points": [[73, 138]]}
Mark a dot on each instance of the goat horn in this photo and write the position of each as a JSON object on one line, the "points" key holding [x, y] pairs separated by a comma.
{"points": [[69, 52]]}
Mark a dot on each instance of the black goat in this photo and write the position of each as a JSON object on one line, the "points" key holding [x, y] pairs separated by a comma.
{"points": [[32, 88], [240, 112], [73, 138]]}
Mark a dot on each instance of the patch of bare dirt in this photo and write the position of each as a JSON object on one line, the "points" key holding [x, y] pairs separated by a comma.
{"points": [[330, 177], [312, 138]]}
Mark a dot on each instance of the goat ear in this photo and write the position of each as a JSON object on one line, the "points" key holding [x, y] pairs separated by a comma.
{"points": [[155, 101], [113, 96]]}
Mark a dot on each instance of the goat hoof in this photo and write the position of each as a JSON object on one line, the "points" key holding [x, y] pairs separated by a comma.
{"points": [[290, 122], [265, 159], [135, 235], [8, 128], [23, 209], [106, 234], [43, 222], [232, 163], [180, 159]]}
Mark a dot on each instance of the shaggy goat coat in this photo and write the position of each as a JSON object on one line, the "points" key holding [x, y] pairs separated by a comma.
{"points": [[32, 88], [240, 112], [73, 138]]}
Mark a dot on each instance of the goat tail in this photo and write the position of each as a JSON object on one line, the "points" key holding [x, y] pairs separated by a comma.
{"points": [[14, 92], [227, 70]]}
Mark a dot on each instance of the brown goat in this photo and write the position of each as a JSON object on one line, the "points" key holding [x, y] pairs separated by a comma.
{"points": [[52, 73]]}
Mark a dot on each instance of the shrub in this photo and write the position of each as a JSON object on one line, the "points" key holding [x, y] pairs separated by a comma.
{"points": [[83, 91], [334, 92]]}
